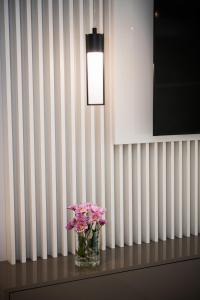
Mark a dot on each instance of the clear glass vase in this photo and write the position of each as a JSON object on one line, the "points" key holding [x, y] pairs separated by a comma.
{"points": [[87, 249]]}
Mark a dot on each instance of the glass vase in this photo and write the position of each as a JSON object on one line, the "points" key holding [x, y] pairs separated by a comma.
{"points": [[87, 249]]}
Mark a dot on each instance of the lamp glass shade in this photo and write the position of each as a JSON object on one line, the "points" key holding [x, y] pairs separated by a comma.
{"points": [[95, 78]]}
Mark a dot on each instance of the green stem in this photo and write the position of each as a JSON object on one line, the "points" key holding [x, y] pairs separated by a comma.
{"points": [[88, 244]]}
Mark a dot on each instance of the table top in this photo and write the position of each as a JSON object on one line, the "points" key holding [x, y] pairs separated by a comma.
{"points": [[62, 269]]}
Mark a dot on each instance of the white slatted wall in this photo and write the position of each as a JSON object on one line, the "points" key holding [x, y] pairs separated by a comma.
{"points": [[58, 151]]}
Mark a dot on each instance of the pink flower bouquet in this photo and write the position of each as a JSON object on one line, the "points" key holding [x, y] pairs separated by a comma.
{"points": [[87, 221]]}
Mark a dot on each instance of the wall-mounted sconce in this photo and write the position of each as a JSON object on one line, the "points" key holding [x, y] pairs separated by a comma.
{"points": [[95, 68]]}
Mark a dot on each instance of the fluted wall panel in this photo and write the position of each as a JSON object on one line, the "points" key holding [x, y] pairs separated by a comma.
{"points": [[55, 150]]}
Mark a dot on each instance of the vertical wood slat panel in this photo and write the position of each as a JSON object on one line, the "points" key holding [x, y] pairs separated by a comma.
{"points": [[80, 96], [102, 140], [97, 118], [7, 134], [145, 194], [92, 123], [86, 6], [178, 188], [170, 190], [89, 162], [72, 139], [31, 156], [154, 192], [62, 126], [137, 193], [2, 164], [52, 156], [15, 139], [128, 195], [82, 100], [109, 154], [162, 191], [119, 210], [110, 200], [186, 188], [41, 137], [20, 142], [194, 188]]}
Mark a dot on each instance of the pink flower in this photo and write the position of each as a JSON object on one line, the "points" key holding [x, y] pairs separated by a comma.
{"points": [[97, 210], [70, 225], [81, 209], [82, 218], [96, 216], [102, 222], [86, 215], [81, 227], [72, 207]]}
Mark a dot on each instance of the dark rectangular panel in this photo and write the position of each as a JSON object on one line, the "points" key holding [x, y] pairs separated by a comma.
{"points": [[177, 67]]}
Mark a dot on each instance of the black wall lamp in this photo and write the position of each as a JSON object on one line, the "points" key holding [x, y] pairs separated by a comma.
{"points": [[95, 68]]}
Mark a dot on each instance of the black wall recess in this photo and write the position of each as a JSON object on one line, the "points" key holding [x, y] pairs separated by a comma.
{"points": [[176, 107]]}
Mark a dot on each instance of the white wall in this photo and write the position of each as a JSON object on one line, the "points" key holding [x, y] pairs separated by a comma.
{"points": [[132, 60], [74, 158]]}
